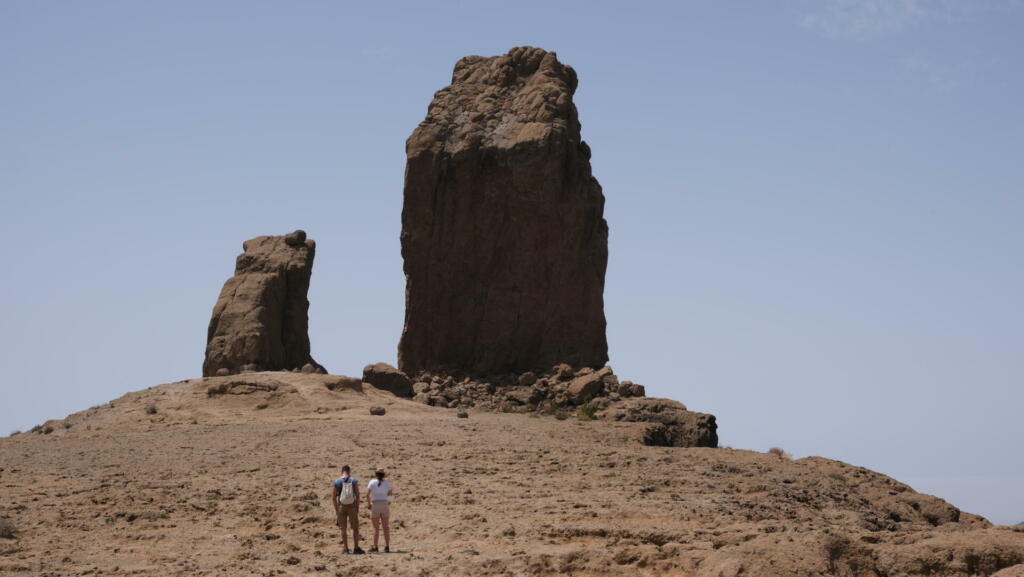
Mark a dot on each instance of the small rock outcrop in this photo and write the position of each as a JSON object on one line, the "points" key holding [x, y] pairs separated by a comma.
{"points": [[672, 425], [260, 321], [561, 391], [388, 378], [504, 239], [557, 389]]}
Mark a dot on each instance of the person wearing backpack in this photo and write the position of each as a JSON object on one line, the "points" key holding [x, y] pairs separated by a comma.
{"points": [[346, 506], [379, 493]]}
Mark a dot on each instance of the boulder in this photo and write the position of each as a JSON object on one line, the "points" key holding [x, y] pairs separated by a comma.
{"points": [[520, 395], [388, 378], [260, 321], [587, 385], [562, 372], [378, 411], [503, 238], [341, 382], [630, 389]]}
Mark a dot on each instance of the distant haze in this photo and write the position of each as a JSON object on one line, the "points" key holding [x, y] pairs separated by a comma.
{"points": [[815, 208]]}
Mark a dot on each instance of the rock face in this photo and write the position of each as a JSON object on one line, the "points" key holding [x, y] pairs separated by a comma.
{"points": [[503, 236], [260, 321]]}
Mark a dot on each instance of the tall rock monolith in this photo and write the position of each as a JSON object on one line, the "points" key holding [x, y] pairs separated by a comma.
{"points": [[260, 321], [504, 239]]}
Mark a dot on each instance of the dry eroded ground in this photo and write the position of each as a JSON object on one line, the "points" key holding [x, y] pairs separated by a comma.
{"points": [[218, 486]]}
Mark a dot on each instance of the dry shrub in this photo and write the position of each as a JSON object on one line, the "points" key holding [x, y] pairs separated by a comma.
{"points": [[835, 548], [845, 556], [7, 528], [151, 410], [779, 453], [587, 412]]}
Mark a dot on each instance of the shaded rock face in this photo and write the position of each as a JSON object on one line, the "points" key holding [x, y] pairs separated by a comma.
{"points": [[260, 321], [503, 237]]}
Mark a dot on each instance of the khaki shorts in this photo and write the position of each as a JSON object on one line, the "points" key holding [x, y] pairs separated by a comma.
{"points": [[379, 509], [348, 514]]}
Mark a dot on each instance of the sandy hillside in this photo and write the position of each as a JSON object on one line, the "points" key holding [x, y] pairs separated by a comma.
{"points": [[230, 476]]}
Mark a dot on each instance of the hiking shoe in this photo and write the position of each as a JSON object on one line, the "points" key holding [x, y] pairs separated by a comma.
{"points": [[373, 550], [357, 551], [387, 549], [345, 551]]}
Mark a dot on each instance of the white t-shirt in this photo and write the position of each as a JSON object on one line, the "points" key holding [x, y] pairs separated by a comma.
{"points": [[379, 489]]}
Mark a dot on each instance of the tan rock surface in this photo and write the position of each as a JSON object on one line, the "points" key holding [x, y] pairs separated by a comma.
{"points": [[230, 476]]}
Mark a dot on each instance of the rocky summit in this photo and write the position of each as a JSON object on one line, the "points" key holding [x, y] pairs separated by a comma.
{"points": [[232, 476], [504, 239], [260, 321]]}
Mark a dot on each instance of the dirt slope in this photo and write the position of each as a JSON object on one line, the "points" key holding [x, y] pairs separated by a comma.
{"points": [[230, 476]]}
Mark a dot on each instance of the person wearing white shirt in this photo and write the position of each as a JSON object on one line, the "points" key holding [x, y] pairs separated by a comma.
{"points": [[379, 493]]}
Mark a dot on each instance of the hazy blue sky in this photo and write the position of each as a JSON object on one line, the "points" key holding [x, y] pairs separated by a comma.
{"points": [[815, 206]]}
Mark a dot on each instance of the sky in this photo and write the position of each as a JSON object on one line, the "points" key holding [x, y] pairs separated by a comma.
{"points": [[815, 207]]}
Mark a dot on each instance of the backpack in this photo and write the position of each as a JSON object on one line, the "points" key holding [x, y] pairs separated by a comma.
{"points": [[347, 495]]}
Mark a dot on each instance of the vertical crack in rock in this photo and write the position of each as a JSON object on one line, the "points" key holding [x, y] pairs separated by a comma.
{"points": [[260, 321], [504, 240]]}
